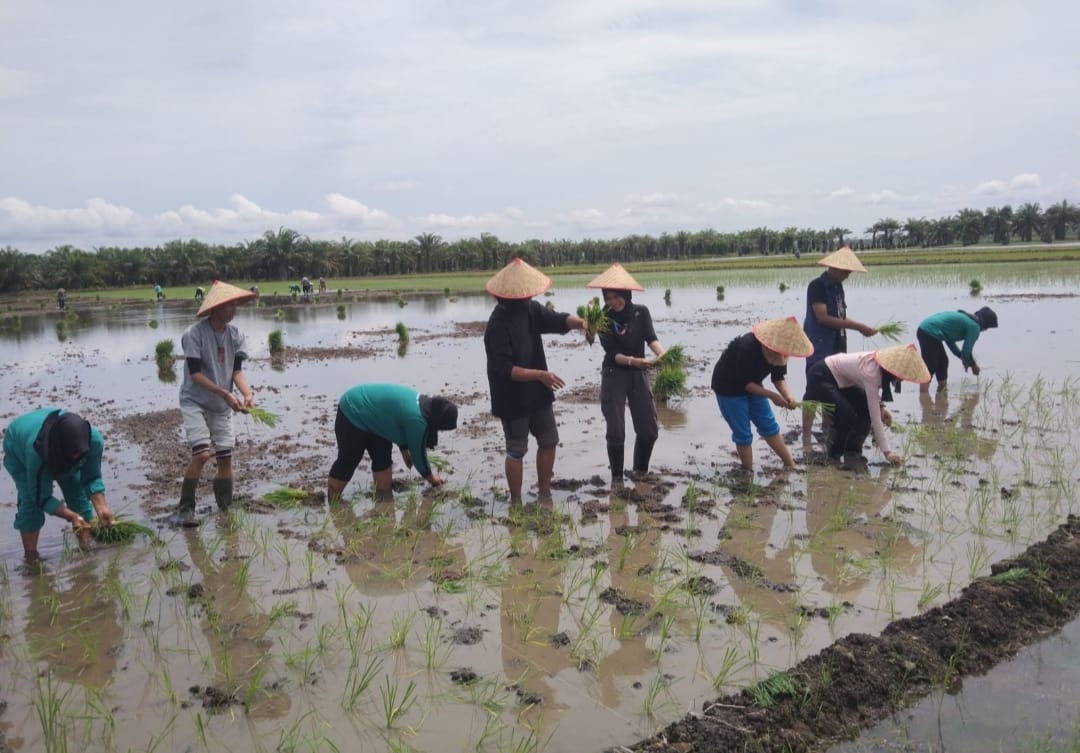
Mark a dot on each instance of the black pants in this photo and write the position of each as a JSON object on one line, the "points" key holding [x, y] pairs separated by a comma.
{"points": [[851, 415], [619, 387], [352, 443]]}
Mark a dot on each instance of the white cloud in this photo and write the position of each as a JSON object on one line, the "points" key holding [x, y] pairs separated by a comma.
{"points": [[991, 188], [1025, 180], [841, 193], [355, 210], [655, 199], [886, 196], [470, 222]]}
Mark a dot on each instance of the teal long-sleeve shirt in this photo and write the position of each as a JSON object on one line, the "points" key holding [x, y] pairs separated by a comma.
{"points": [[34, 479], [391, 411], [950, 327]]}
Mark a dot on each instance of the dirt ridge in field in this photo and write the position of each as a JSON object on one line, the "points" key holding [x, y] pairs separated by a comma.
{"points": [[862, 679]]}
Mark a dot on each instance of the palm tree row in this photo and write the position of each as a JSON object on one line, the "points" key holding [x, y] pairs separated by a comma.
{"points": [[286, 254]]}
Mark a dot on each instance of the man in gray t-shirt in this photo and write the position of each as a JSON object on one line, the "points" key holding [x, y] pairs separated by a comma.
{"points": [[214, 352]]}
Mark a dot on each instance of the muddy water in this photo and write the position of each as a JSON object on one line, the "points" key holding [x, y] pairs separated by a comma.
{"points": [[588, 623], [1038, 689]]}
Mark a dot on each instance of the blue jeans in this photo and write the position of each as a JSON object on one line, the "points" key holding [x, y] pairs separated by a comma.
{"points": [[742, 410]]}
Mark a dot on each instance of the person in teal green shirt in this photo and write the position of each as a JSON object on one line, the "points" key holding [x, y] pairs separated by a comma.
{"points": [[52, 445], [372, 418], [945, 329]]}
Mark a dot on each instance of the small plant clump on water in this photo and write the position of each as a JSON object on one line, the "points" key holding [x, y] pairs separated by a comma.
{"points": [[152, 324], [402, 332], [341, 311], [279, 315], [276, 341], [667, 296], [286, 496], [976, 287], [596, 321], [783, 287]]}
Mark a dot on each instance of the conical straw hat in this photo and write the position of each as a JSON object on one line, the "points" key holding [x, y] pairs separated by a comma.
{"points": [[903, 362], [843, 258], [785, 336], [517, 281], [615, 278], [222, 292]]}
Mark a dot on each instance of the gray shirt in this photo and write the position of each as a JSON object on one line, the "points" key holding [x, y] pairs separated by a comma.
{"points": [[217, 351]]}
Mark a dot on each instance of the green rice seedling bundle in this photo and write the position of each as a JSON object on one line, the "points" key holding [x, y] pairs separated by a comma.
{"points": [[276, 341], [402, 332], [816, 407], [263, 416], [673, 356], [286, 496], [669, 382], [164, 350], [596, 321], [892, 330], [120, 532]]}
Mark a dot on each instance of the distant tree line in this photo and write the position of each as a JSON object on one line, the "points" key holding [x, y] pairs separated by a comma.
{"points": [[286, 254]]}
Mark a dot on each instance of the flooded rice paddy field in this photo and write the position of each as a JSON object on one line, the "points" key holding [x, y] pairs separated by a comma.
{"points": [[451, 622]]}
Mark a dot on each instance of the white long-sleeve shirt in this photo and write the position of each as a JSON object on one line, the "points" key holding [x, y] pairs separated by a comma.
{"points": [[861, 370]]}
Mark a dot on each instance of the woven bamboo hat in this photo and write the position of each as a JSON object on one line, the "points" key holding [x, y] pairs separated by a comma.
{"points": [[221, 293], [517, 281], [785, 336], [843, 258], [615, 278], [903, 362]]}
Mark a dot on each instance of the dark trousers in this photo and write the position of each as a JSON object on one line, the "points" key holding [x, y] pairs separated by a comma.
{"points": [[851, 415]]}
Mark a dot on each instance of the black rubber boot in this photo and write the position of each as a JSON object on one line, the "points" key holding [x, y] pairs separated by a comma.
{"points": [[615, 453], [223, 493], [185, 511], [642, 454]]}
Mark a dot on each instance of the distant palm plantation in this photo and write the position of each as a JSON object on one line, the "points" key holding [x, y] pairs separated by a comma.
{"points": [[285, 254]]}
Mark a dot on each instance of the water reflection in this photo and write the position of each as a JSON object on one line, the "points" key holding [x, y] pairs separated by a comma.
{"points": [[532, 647], [71, 624], [383, 556], [851, 538], [952, 435], [633, 550], [235, 630], [670, 417]]}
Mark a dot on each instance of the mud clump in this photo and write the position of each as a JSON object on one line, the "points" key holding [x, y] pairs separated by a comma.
{"points": [[464, 676], [623, 604], [467, 636]]}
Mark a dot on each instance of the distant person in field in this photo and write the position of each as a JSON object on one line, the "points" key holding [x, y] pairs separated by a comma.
{"points": [[214, 354], [254, 289], [858, 385], [199, 295], [159, 292], [943, 330], [826, 321], [61, 298], [50, 446], [322, 286], [738, 381], [622, 375], [305, 285], [522, 389], [372, 418]]}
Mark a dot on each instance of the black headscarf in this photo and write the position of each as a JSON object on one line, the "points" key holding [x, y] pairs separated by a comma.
{"points": [[441, 415], [889, 382], [624, 316], [64, 440]]}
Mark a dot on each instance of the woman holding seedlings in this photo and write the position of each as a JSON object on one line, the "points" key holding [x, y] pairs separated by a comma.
{"points": [[214, 353], [943, 330], [372, 418], [857, 386], [737, 381], [626, 329], [53, 445], [826, 322], [522, 389]]}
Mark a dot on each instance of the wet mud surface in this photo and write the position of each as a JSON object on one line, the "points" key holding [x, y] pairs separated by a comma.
{"points": [[862, 679]]}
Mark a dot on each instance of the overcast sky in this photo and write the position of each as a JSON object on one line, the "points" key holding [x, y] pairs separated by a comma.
{"points": [[127, 122]]}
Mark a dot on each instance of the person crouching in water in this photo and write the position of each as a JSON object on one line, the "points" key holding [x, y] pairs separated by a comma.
{"points": [[857, 386], [943, 330], [737, 381], [373, 418], [622, 376]]}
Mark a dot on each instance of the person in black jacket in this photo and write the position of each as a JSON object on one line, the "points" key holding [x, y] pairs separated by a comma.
{"points": [[522, 388], [622, 380]]}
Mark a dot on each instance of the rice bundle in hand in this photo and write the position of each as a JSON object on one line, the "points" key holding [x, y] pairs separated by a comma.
{"points": [[120, 532], [262, 415], [892, 330], [816, 407], [673, 356], [596, 321]]}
